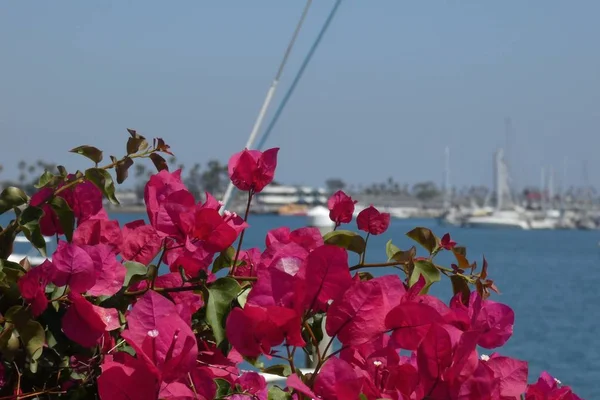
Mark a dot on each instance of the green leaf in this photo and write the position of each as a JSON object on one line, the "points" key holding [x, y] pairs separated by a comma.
{"points": [[429, 272], [391, 249], [102, 179], [46, 179], [136, 142], [224, 260], [159, 162], [30, 331], [279, 369], [5, 337], [66, 218], [276, 393], [134, 269], [12, 197], [33, 337], [90, 152], [317, 326], [29, 220], [394, 253], [220, 295], [362, 397], [347, 239], [62, 171], [223, 388], [460, 285], [122, 168], [425, 238]]}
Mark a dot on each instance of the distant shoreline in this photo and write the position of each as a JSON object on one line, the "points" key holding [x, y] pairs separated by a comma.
{"points": [[126, 209]]}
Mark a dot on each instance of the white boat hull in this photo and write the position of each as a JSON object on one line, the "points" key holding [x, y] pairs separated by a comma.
{"points": [[497, 222]]}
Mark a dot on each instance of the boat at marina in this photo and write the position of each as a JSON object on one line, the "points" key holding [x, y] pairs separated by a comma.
{"points": [[506, 213]]}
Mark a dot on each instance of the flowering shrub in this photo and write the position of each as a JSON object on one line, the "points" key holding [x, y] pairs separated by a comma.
{"points": [[98, 321]]}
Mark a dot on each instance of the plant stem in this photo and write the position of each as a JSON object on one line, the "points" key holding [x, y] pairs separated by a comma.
{"points": [[376, 265], [314, 340], [364, 254], [290, 357], [239, 247], [162, 256], [107, 166]]}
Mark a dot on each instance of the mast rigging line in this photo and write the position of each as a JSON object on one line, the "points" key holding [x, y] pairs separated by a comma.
{"points": [[287, 96], [269, 97]]}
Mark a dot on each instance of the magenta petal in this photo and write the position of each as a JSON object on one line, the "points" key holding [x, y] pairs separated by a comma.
{"points": [[95, 231], [295, 383], [155, 327], [359, 314], [110, 273], [410, 323], [327, 276], [129, 379], [73, 267], [176, 391], [81, 323], [511, 375], [337, 380], [140, 243]]}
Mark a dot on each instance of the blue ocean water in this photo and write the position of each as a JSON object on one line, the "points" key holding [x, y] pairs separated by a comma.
{"points": [[547, 277]]}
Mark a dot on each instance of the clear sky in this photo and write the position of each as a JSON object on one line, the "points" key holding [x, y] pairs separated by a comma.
{"points": [[393, 83]]}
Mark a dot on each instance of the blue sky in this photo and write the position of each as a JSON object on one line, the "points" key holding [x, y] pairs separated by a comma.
{"points": [[391, 85]]}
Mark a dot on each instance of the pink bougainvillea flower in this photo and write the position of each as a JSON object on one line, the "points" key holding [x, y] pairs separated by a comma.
{"points": [[85, 323], [124, 377], [94, 231], [85, 199], [211, 202], [73, 266], [213, 230], [295, 383], [204, 383], [235, 221], [358, 316], [140, 243], [216, 364], [372, 221], [158, 333], [187, 302], [253, 384], [410, 323], [252, 170], [548, 387], [510, 375], [308, 238], [49, 223], [278, 278], [337, 380], [251, 260], [447, 243], [254, 330], [341, 207], [175, 215], [494, 320], [192, 262], [109, 273], [325, 277], [158, 188], [32, 286]]}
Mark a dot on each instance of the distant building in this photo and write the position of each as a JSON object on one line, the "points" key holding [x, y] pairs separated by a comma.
{"points": [[275, 197]]}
